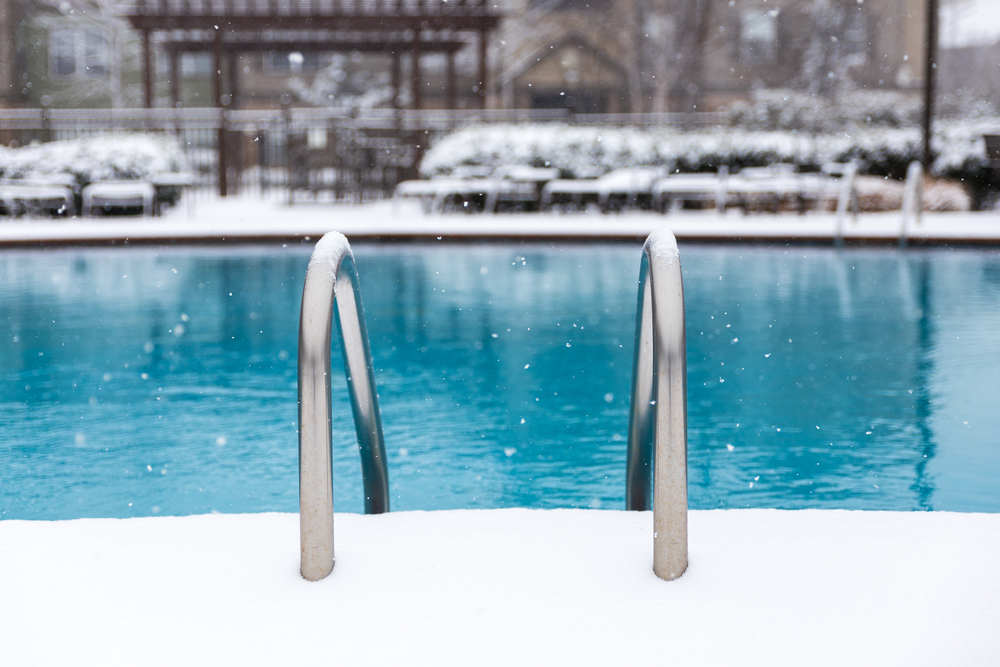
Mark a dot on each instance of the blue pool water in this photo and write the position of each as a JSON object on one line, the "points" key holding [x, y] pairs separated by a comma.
{"points": [[140, 381]]}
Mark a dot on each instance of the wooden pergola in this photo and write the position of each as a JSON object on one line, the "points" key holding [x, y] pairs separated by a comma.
{"points": [[393, 27], [226, 28]]}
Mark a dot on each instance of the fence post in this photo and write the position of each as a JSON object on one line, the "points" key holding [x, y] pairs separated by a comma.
{"points": [[46, 121]]}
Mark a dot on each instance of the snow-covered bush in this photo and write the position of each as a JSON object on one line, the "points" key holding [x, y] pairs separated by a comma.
{"points": [[777, 109], [576, 150], [583, 151], [97, 158]]}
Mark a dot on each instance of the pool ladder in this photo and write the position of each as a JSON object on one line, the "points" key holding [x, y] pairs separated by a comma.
{"points": [[657, 417], [657, 425], [332, 280]]}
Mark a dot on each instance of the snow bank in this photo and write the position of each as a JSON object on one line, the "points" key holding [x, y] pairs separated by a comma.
{"points": [[505, 587]]}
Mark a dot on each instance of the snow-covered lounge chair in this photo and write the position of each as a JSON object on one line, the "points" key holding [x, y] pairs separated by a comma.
{"points": [[166, 185], [627, 188], [770, 187], [118, 194], [37, 197], [676, 189], [616, 190], [470, 195], [428, 192], [570, 194]]}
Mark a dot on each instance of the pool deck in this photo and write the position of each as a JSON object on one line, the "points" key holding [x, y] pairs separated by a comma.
{"points": [[248, 220], [505, 587]]}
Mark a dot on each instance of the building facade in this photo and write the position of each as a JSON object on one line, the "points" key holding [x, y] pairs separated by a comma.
{"points": [[691, 55], [589, 56]]}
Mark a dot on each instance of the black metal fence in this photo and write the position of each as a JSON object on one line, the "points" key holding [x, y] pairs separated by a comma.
{"points": [[298, 153]]}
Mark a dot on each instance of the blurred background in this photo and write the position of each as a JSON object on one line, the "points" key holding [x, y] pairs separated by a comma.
{"points": [[344, 99]]}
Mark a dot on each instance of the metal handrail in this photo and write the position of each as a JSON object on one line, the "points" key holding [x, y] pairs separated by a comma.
{"points": [[848, 196], [658, 409], [332, 278], [913, 201]]}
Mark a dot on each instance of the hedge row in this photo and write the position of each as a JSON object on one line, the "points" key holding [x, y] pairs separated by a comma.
{"points": [[587, 151]]}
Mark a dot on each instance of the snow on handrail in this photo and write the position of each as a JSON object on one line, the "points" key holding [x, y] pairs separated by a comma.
{"points": [[658, 406], [332, 278]]}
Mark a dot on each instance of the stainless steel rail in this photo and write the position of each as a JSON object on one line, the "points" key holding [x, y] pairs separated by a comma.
{"points": [[658, 411], [848, 197], [332, 278], [913, 201]]}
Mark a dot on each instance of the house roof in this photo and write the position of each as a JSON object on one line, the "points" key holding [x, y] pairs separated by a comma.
{"points": [[547, 52]]}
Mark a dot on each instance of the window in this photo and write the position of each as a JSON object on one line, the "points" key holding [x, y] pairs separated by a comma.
{"points": [[77, 53], [856, 33], [759, 36], [196, 65], [277, 62]]}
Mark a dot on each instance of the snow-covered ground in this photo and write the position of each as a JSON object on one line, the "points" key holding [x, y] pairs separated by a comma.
{"points": [[249, 219], [505, 587]]}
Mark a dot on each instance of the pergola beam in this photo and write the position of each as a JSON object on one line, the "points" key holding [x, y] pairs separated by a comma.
{"points": [[320, 46], [284, 22]]}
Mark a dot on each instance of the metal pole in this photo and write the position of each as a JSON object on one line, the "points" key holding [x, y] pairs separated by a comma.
{"points": [[147, 71], [234, 78], [395, 87], [847, 195], [483, 67], [175, 81], [332, 278], [449, 81], [221, 132], [658, 413], [639, 458], [930, 66], [416, 83], [912, 200]]}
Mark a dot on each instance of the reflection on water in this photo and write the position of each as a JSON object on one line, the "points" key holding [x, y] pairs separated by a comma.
{"points": [[141, 382]]}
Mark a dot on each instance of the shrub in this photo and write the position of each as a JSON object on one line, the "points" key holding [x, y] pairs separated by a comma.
{"points": [[97, 158], [584, 151]]}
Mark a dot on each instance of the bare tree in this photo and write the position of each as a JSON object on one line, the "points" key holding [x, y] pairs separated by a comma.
{"points": [[660, 44], [830, 54], [341, 84]]}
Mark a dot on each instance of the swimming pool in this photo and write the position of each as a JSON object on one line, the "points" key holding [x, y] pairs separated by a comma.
{"points": [[141, 381]]}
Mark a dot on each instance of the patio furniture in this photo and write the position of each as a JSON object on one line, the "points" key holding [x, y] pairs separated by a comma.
{"points": [[168, 188], [627, 188], [677, 189], [35, 198], [427, 192], [110, 195], [473, 195], [614, 191], [570, 194], [992, 150]]}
